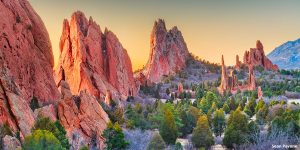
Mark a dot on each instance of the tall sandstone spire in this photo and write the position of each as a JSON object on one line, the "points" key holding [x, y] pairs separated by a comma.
{"points": [[26, 62], [168, 52], [224, 77], [93, 60]]}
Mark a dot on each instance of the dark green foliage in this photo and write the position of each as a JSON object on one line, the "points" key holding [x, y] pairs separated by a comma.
{"points": [[156, 143], [219, 122], [114, 137], [253, 132], [226, 108], [135, 118], [202, 136], [55, 128], [168, 129], [178, 146], [42, 140], [236, 131], [206, 101], [34, 103]]}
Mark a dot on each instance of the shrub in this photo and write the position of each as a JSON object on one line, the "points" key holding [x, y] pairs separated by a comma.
{"points": [[168, 129], [202, 136], [44, 123], [114, 137], [42, 139], [156, 143]]}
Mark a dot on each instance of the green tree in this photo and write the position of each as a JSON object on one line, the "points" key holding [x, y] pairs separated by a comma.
{"points": [[206, 101], [261, 114], [44, 123], [156, 143], [168, 129], [260, 104], [202, 136], [219, 122], [40, 140], [226, 108], [253, 132], [236, 131], [114, 137]]}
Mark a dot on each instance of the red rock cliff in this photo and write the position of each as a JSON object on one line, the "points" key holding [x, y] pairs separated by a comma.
{"points": [[26, 63], [168, 52], [26, 50], [92, 60]]}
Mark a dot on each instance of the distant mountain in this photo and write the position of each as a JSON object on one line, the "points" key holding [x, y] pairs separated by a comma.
{"points": [[287, 55]]}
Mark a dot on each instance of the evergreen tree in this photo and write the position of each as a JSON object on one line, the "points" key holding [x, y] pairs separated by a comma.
{"points": [[114, 137], [156, 143], [168, 129], [202, 136], [219, 122], [40, 140], [236, 131], [226, 108]]}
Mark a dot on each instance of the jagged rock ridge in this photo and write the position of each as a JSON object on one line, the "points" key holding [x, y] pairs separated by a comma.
{"points": [[168, 52], [256, 57], [93, 61]]}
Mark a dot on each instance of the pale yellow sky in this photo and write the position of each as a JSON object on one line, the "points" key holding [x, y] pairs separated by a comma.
{"points": [[210, 28]]}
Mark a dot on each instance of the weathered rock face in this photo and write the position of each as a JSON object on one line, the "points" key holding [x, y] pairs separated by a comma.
{"points": [[46, 111], [83, 118], [256, 57], [14, 109], [168, 52], [10, 143], [26, 51], [93, 61]]}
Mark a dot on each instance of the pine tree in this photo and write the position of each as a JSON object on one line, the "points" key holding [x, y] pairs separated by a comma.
{"points": [[236, 131], [156, 143], [219, 122], [114, 137], [202, 136], [168, 129]]}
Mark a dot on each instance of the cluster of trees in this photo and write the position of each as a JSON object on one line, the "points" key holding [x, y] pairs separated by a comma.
{"points": [[47, 134]]}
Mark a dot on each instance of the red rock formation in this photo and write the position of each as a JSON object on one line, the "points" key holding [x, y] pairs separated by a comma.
{"points": [[230, 83], [26, 63], [14, 109], [26, 51], [224, 78], [83, 118], [259, 93], [238, 63], [251, 79], [108, 98], [168, 52], [92, 60], [180, 88], [256, 57]]}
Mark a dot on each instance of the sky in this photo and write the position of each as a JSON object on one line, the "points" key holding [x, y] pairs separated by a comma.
{"points": [[210, 27]]}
